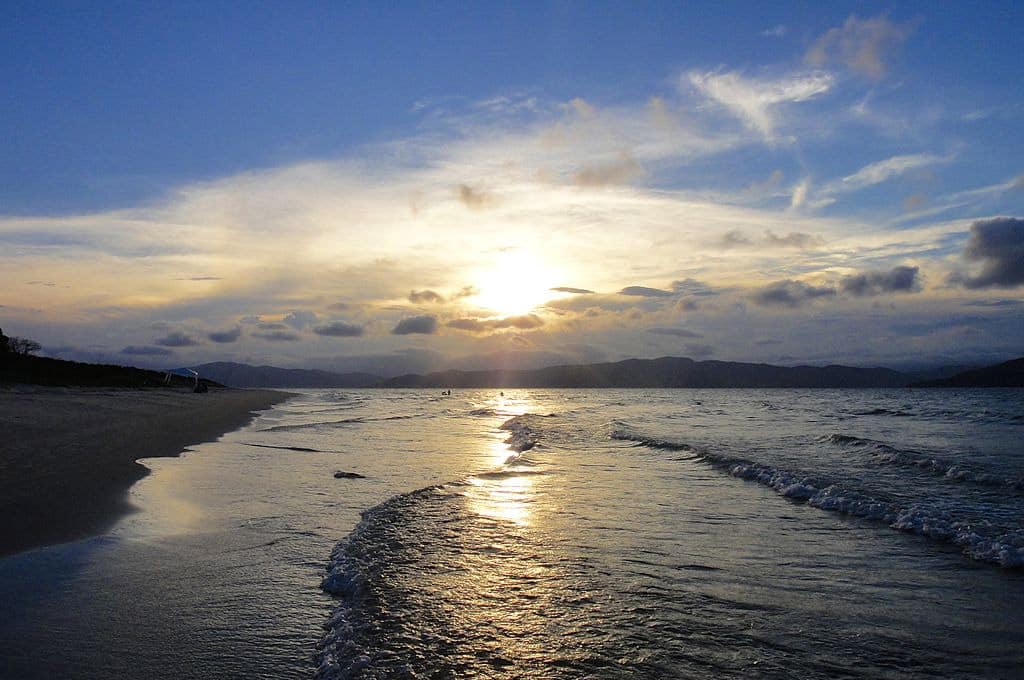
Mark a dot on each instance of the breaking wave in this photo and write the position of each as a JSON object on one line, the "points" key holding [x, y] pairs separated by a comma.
{"points": [[979, 540]]}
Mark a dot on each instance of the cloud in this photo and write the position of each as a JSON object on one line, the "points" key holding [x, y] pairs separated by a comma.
{"points": [[799, 196], [752, 101], [425, 325], [775, 31], [790, 293], [475, 198], [897, 280], [677, 332], [198, 278], [794, 239], [300, 319], [644, 291], [278, 336], [699, 351], [862, 45], [339, 329], [735, 238], [582, 108], [465, 291], [998, 244], [616, 172], [146, 351], [226, 336], [878, 172], [420, 296], [177, 339], [576, 291], [524, 322], [693, 287], [914, 202]]}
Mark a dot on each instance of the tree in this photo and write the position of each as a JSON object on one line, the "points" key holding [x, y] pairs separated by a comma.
{"points": [[5, 343], [23, 346]]}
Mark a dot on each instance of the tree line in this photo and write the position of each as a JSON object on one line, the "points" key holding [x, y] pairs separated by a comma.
{"points": [[16, 345]]}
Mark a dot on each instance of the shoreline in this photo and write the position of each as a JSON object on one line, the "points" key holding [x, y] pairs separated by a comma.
{"points": [[68, 455]]}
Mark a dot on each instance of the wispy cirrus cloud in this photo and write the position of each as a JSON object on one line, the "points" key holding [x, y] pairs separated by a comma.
{"points": [[755, 101]]}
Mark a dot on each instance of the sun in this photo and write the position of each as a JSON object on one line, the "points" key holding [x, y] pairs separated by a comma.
{"points": [[517, 283]]}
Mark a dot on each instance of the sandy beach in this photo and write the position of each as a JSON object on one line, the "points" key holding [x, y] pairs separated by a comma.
{"points": [[67, 455]]}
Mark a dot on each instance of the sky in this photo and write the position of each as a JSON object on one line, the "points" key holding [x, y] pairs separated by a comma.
{"points": [[423, 186]]}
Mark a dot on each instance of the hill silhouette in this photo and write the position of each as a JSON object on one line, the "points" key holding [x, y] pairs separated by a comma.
{"points": [[1007, 374]]}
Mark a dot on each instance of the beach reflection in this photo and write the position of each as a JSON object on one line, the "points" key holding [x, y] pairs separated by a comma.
{"points": [[505, 491], [506, 498]]}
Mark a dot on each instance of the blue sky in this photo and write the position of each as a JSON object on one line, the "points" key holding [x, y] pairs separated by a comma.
{"points": [[843, 183]]}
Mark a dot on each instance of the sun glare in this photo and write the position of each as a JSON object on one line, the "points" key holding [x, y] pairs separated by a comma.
{"points": [[516, 284]]}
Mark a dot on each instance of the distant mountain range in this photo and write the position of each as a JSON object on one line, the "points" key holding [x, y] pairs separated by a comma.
{"points": [[1006, 374], [244, 375], [663, 372]]}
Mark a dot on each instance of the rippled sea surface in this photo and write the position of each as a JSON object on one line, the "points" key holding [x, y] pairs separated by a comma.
{"points": [[556, 534]]}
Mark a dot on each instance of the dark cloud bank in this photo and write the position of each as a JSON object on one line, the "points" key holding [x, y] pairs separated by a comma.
{"points": [[424, 325], [339, 329], [998, 245]]}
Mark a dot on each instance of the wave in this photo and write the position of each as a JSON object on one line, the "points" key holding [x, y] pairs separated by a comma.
{"points": [[524, 435], [884, 412], [317, 424], [953, 471], [649, 442], [977, 540], [385, 623], [304, 449]]}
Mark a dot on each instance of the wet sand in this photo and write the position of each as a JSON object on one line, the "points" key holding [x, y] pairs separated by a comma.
{"points": [[67, 455]]}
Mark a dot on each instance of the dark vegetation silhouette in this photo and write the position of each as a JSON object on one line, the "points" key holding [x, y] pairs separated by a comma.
{"points": [[18, 365]]}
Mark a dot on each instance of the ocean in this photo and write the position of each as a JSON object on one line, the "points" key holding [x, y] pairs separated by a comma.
{"points": [[555, 534]]}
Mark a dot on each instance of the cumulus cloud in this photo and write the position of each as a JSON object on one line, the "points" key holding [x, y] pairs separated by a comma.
{"points": [[735, 238], [300, 319], [644, 291], [524, 322], [226, 336], [475, 198], [339, 329], [901, 279], [790, 293], [753, 101], [577, 291], [421, 296], [177, 339], [277, 336], [677, 332], [146, 351], [862, 45], [425, 325], [998, 245]]}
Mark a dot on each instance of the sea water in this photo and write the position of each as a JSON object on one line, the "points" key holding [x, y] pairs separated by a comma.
{"points": [[556, 534]]}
